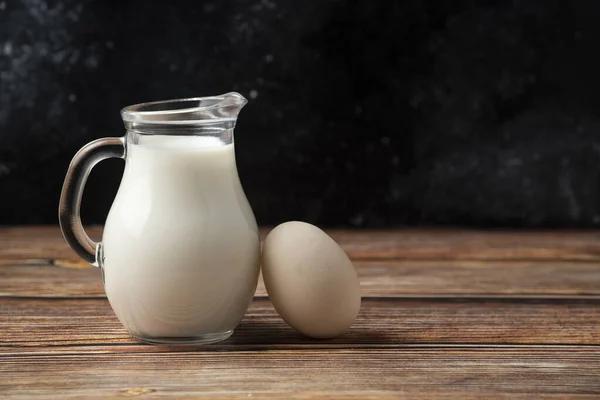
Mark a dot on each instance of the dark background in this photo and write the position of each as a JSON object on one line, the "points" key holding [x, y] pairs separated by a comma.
{"points": [[362, 113]]}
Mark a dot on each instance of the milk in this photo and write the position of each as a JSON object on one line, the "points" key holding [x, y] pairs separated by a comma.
{"points": [[181, 245]]}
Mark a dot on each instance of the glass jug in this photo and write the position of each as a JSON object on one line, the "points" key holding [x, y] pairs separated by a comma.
{"points": [[180, 251]]}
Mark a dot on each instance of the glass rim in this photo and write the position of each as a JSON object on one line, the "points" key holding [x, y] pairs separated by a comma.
{"points": [[191, 110]]}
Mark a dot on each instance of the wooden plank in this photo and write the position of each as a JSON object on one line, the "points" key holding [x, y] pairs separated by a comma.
{"points": [[381, 323], [47, 280], [419, 373], [456, 244], [378, 279], [37, 242], [479, 278], [46, 242]]}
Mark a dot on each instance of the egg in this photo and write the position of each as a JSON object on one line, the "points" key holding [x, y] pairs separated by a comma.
{"points": [[310, 280]]}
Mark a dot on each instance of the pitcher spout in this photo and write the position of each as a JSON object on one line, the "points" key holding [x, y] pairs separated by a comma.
{"points": [[230, 104]]}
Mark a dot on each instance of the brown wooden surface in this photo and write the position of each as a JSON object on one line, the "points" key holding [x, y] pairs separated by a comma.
{"points": [[445, 314]]}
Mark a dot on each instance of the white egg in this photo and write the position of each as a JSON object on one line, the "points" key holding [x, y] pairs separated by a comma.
{"points": [[310, 280]]}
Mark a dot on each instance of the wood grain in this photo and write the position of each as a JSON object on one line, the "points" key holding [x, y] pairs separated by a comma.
{"points": [[47, 243], [421, 373]]}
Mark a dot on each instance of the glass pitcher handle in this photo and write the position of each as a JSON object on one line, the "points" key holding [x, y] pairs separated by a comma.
{"points": [[72, 192]]}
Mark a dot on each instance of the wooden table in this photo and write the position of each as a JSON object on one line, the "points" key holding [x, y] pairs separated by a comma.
{"points": [[445, 313]]}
